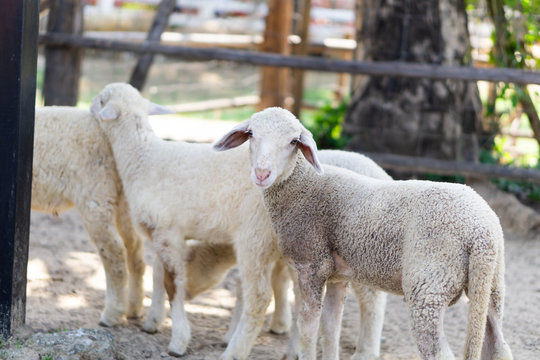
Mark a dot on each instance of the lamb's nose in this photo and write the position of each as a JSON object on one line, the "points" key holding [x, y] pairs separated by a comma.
{"points": [[262, 174]]}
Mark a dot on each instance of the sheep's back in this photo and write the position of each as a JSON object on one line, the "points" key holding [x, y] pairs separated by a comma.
{"points": [[72, 159], [374, 224], [206, 193]]}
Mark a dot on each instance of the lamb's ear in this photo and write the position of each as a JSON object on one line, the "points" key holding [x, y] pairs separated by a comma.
{"points": [[236, 137], [156, 109], [307, 145], [109, 112]]}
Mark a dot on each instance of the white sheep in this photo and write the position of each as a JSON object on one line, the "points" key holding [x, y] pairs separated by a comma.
{"points": [[174, 195], [176, 191], [73, 167], [427, 241]]}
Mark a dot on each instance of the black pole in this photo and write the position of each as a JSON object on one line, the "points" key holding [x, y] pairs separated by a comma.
{"points": [[63, 64], [18, 59], [140, 72]]}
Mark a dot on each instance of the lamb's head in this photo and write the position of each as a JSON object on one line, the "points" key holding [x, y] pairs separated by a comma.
{"points": [[120, 99], [275, 136]]}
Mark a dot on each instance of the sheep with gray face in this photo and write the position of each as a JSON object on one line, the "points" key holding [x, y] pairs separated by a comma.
{"points": [[73, 167], [427, 241]]}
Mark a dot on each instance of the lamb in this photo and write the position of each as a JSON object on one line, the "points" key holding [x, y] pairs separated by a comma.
{"points": [[73, 167], [173, 195], [427, 241]]}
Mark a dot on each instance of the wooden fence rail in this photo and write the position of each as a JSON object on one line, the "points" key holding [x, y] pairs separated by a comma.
{"points": [[402, 69], [445, 167]]}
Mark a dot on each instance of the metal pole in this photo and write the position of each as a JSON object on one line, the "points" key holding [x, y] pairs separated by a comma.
{"points": [[18, 41]]}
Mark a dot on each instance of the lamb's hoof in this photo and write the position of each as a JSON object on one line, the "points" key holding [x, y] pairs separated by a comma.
{"points": [[109, 321], [174, 353], [149, 330], [280, 324], [278, 331], [177, 351], [151, 326]]}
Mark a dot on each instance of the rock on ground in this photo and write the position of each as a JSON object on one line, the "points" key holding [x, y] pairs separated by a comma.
{"points": [[80, 344]]}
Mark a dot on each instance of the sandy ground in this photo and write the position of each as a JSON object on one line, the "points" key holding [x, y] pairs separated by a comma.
{"points": [[66, 287]]}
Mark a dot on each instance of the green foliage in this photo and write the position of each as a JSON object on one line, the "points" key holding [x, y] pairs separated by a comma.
{"points": [[522, 189], [47, 357], [513, 39], [326, 125]]}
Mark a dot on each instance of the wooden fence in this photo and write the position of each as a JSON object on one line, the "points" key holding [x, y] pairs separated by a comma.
{"points": [[399, 69], [411, 164]]}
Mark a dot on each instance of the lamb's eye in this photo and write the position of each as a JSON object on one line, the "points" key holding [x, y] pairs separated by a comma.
{"points": [[250, 133], [294, 141]]}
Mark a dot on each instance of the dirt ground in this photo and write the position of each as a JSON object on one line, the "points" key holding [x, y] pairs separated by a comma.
{"points": [[66, 290]]}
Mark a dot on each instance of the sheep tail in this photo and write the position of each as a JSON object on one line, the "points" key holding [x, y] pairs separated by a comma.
{"points": [[482, 265]]}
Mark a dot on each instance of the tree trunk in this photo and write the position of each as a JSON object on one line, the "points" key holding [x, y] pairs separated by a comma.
{"points": [[62, 64], [275, 81], [161, 20], [301, 50], [414, 116]]}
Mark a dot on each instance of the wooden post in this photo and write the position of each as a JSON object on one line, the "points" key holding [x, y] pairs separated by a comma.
{"points": [[63, 64], [274, 81], [140, 72], [302, 50], [18, 41]]}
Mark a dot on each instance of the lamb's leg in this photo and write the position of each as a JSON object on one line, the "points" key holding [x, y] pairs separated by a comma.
{"points": [[156, 312], [99, 225], [427, 298], [170, 247], [294, 349], [311, 288], [135, 251], [495, 347], [255, 271], [237, 312], [282, 318], [371, 304], [427, 328], [332, 314]]}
